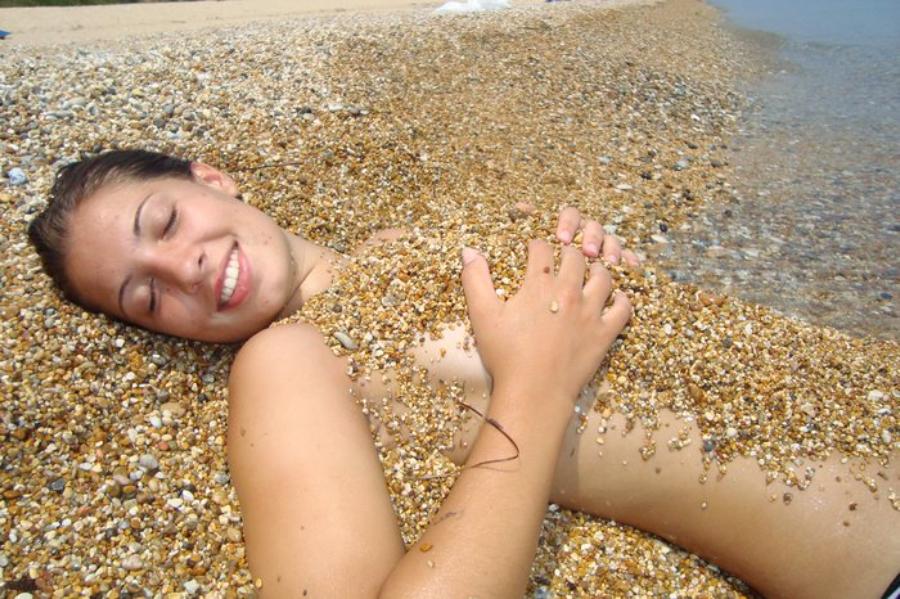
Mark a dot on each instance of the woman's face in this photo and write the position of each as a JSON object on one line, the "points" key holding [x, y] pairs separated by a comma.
{"points": [[182, 257]]}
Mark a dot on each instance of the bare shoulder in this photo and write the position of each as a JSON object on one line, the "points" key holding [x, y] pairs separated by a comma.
{"points": [[281, 373], [302, 460], [271, 347]]}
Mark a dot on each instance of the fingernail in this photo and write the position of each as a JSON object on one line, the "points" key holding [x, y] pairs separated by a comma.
{"points": [[592, 249], [468, 254], [565, 236]]}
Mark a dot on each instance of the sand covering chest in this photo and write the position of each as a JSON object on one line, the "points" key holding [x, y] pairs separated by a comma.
{"points": [[746, 375]]}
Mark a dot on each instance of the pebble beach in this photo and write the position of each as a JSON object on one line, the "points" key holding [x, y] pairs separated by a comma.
{"points": [[113, 477]]}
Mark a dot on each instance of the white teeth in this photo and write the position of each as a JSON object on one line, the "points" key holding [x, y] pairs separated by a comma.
{"points": [[231, 276]]}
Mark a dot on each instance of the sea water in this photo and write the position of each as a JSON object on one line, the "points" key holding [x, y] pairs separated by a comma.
{"points": [[813, 230]]}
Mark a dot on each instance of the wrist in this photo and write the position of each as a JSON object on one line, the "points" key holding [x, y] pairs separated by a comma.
{"points": [[522, 404]]}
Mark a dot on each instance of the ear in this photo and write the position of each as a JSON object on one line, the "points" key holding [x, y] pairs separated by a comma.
{"points": [[207, 175]]}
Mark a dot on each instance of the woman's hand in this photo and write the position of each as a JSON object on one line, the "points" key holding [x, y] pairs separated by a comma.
{"points": [[554, 333], [595, 241]]}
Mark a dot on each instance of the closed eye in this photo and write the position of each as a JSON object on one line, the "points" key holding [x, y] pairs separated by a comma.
{"points": [[152, 307], [170, 225]]}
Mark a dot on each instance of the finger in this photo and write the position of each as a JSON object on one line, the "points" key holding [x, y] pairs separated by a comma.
{"points": [[630, 258], [568, 224], [481, 297], [540, 259], [599, 285], [616, 316], [593, 239], [572, 267], [612, 249]]}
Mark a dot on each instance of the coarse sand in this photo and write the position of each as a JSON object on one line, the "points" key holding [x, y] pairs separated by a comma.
{"points": [[113, 477]]}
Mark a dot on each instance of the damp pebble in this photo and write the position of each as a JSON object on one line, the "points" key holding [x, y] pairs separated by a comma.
{"points": [[16, 176], [132, 562], [541, 593], [175, 408], [148, 462], [345, 340]]}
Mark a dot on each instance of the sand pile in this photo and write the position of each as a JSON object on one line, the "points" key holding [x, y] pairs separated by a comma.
{"points": [[113, 475]]}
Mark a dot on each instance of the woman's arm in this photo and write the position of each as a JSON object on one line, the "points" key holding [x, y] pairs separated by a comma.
{"points": [[317, 514], [317, 518]]}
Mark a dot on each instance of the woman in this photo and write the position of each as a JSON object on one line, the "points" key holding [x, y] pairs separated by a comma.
{"points": [[166, 245]]}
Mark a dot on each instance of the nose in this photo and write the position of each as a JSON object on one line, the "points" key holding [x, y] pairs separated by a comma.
{"points": [[182, 266]]}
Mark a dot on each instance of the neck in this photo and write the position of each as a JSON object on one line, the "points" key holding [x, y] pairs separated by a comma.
{"points": [[313, 267]]}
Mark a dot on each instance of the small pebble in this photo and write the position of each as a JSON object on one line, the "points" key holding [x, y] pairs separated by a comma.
{"points": [[148, 462], [16, 176], [541, 593], [175, 408], [132, 562], [191, 587], [345, 340]]}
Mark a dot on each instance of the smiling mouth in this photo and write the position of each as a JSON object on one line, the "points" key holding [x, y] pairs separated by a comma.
{"points": [[232, 273]]}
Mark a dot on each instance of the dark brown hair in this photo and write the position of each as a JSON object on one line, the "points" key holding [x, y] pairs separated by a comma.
{"points": [[79, 180]]}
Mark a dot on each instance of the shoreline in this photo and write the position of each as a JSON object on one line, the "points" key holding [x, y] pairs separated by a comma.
{"points": [[54, 26]]}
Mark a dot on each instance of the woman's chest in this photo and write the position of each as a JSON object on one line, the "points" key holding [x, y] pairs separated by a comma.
{"points": [[444, 374]]}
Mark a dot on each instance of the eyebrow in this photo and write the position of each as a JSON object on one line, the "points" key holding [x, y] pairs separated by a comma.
{"points": [[136, 227]]}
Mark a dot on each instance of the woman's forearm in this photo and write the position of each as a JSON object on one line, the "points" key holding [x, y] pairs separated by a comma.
{"points": [[483, 540]]}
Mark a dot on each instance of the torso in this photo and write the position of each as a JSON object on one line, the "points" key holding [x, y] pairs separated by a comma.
{"points": [[446, 361], [724, 365]]}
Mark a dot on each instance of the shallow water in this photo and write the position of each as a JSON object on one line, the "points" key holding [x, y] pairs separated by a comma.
{"points": [[813, 225]]}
